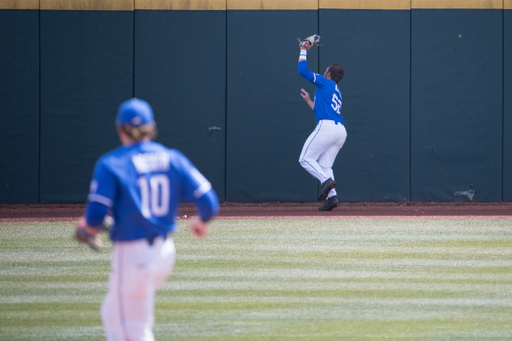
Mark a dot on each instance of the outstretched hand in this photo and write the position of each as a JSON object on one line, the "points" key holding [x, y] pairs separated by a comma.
{"points": [[305, 96], [197, 227], [88, 235]]}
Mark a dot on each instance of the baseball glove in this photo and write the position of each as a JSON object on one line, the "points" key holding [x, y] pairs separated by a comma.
{"points": [[93, 240], [313, 40]]}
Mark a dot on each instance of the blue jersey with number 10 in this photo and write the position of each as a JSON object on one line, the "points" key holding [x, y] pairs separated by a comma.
{"points": [[143, 185], [328, 99]]}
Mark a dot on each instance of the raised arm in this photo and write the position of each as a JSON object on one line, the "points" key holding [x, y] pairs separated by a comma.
{"points": [[303, 66], [304, 46]]}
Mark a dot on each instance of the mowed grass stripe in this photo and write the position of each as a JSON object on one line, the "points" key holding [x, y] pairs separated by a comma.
{"points": [[277, 279]]}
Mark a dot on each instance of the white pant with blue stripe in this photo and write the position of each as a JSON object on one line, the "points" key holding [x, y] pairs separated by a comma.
{"points": [[321, 149], [137, 271]]}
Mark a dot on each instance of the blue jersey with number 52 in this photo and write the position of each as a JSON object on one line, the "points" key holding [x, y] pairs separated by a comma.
{"points": [[143, 184], [328, 99]]}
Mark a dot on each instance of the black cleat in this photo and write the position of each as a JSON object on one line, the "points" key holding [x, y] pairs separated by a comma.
{"points": [[326, 188], [330, 203]]}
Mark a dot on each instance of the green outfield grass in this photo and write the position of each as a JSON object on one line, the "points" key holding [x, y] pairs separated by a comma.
{"points": [[283, 279]]}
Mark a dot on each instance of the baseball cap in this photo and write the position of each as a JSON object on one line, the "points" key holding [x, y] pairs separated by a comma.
{"points": [[134, 112]]}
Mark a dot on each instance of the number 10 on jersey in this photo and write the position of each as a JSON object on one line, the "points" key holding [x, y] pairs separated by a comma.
{"points": [[155, 194]]}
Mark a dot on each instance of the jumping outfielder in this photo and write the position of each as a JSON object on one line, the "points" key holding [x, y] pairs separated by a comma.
{"points": [[324, 143], [141, 183]]}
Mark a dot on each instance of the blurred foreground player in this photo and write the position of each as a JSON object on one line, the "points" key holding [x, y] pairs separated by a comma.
{"points": [[324, 143], [141, 183]]}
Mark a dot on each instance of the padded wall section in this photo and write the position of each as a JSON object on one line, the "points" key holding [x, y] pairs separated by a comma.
{"points": [[507, 93], [373, 47], [186, 85], [86, 72], [456, 104], [268, 121], [19, 107]]}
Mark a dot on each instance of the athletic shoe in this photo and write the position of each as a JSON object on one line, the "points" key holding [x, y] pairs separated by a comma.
{"points": [[330, 203], [326, 188]]}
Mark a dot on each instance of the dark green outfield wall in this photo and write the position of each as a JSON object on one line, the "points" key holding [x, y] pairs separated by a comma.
{"points": [[373, 46], [180, 68], [19, 106], [267, 120], [426, 99], [456, 104], [86, 72], [507, 96]]}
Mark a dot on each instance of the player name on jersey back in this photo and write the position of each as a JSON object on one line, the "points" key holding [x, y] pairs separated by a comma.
{"points": [[151, 162]]}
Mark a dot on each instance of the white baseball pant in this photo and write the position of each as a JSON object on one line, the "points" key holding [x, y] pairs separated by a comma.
{"points": [[137, 271], [321, 148]]}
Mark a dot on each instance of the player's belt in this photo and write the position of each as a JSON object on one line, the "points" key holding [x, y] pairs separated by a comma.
{"points": [[332, 122], [151, 238]]}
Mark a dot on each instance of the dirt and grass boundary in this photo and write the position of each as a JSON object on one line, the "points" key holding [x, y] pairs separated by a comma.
{"points": [[230, 210]]}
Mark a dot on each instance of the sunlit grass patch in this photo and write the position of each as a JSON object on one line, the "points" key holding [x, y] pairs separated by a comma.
{"points": [[277, 279]]}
